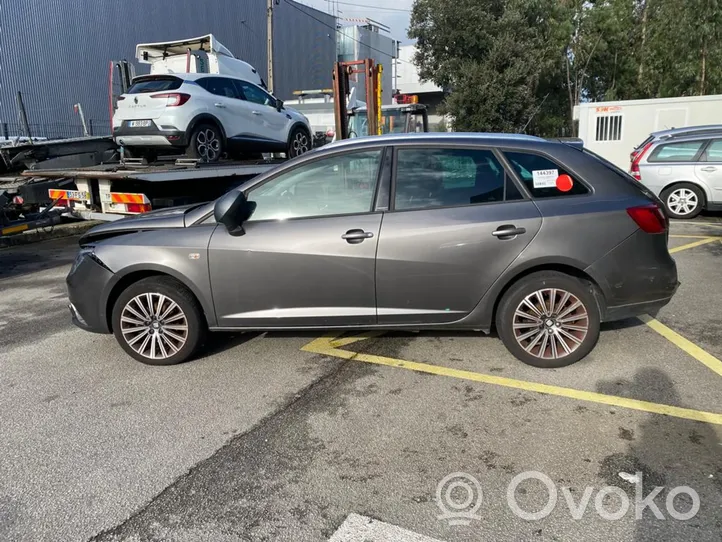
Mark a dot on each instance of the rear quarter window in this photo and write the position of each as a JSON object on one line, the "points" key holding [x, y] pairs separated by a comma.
{"points": [[156, 84], [682, 151], [543, 177]]}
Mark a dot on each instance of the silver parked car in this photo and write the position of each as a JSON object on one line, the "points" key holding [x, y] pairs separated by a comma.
{"points": [[541, 240], [682, 166]]}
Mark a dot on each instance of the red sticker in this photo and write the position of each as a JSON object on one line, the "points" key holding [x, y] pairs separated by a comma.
{"points": [[564, 183]]}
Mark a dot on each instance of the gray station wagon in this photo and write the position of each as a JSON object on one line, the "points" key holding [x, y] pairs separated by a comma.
{"points": [[539, 239]]}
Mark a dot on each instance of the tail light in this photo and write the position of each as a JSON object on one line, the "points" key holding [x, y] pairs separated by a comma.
{"points": [[137, 207], [636, 158], [650, 218], [174, 99]]}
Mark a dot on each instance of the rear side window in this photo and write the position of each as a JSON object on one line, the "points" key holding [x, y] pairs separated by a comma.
{"points": [[683, 151], [220, 86], [544, 178], [156, 84], [428, 178]]}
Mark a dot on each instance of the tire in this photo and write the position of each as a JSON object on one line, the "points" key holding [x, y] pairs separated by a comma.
{"points": [[132, 304], [299, 142], [206, 143], [538, 350], [691, 198]]}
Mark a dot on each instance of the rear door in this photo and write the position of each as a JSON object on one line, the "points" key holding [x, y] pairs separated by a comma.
{"points": [[709, 169], [457, 221], [141, 102]]}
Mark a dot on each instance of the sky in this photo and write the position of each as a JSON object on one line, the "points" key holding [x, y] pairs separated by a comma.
{"points": [[395, 14]]}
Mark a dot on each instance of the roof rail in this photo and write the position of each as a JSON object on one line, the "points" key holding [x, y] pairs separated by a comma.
{"points": [[575, 142], [693, 132]]}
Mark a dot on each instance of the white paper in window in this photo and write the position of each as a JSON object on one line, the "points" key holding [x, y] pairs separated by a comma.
{"points": [[545, 178]]}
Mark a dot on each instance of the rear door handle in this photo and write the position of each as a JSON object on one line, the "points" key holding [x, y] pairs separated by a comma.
{"points": [[508, 231], [356, 236], [257, 113], [222, 106], [709, 169]]}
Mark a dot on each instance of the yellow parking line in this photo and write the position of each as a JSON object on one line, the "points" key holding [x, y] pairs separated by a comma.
{"points": [[688, 346], [324, 346], [679, 236], [695, 244]]}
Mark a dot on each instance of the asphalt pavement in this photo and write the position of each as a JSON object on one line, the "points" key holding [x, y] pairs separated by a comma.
{"points": [[261, 440]]}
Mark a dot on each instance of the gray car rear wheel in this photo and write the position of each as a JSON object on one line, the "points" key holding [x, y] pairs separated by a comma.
{"points": [[158, 321], [549, 319]]}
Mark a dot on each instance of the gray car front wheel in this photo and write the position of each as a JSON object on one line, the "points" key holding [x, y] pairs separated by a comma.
{"points": [[157, 321]]}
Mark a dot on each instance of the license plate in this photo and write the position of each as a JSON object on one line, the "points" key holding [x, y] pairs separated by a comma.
{"points": [[78, 195], [139, 123]]}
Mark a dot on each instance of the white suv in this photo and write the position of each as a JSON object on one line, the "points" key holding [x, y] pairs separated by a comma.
{"points": [[206, 116]]}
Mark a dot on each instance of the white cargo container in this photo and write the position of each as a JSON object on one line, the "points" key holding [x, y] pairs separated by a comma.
{"points": [[614, 129], [204, 54]]}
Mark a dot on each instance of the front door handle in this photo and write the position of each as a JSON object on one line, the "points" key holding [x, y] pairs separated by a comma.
{"points": [[257, 113], [355, 237], [508, 231], [222, 106], [709, 169]]}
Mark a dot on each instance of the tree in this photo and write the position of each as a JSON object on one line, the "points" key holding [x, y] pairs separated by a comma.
{"points": [[491, 54]]}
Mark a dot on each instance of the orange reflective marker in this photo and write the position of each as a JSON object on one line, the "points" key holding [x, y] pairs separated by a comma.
{"points": [[564, 183]]}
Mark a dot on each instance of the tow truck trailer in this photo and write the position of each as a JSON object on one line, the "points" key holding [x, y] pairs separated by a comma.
{"points": [[109, 192]]}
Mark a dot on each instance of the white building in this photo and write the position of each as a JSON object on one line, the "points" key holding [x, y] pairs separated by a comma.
{"points": [[614, 129]]}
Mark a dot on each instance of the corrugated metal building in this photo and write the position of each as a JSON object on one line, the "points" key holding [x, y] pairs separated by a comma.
{"points": [[57, 52]]}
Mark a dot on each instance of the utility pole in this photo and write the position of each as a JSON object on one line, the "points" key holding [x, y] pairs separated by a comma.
{"points": [[269, 32]]}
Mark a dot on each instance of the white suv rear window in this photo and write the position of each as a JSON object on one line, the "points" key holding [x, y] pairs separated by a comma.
{"points": [[156, 84]]}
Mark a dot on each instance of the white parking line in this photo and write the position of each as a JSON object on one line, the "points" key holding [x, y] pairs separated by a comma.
{"points": [[359, 528]]}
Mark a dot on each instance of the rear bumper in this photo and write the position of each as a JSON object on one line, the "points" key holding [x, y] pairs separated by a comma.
{"points": [[149, 136], [620, 312], [637, 276]]}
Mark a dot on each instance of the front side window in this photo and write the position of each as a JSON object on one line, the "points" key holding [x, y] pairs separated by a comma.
{"points": [[427, 178], [340, 184], [220, 86], [256, 95], [544, 178], [676, 152]]}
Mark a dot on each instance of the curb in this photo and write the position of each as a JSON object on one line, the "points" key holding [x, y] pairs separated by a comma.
{"points": [[56, 232]]}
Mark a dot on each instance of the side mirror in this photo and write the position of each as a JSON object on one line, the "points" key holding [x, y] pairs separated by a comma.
{"points": [[232, 210], [279, 105]]}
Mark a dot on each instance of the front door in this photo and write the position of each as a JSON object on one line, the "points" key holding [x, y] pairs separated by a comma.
{"points": [[307, 257], [457, 223], [268, 122]]}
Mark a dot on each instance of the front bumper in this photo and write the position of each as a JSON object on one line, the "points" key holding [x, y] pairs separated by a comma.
{"points": [[87, 282]]}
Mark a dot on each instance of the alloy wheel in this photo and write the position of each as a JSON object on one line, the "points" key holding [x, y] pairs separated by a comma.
{"points": [[299, 144], [154, 326], [682, 201], [208, 145], [550, 323]]}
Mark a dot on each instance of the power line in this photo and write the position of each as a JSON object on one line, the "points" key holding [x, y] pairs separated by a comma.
{"points": [[324, 23], [373, 7]]}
